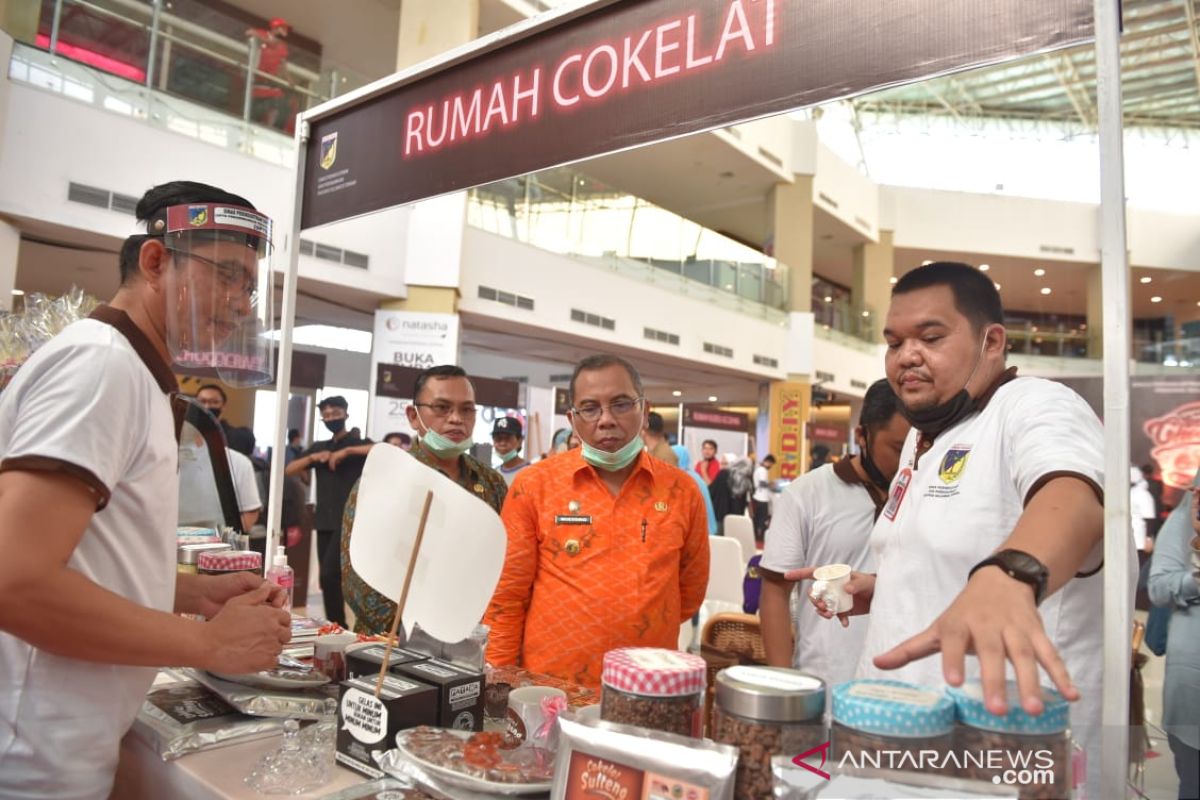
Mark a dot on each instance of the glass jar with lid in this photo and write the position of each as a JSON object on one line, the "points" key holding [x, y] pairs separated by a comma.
{"points": [[1035, 749], [887, 724], [765, 712], [653, 688], [188, 554]]}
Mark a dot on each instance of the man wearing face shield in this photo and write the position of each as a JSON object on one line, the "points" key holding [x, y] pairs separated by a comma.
{"points": [[991, 542], [338, 462], [88, 498], [443, 415], [607, 545]]}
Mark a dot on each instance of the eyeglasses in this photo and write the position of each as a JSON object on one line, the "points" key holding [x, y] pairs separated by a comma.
{"points": [[235, 278], [444, 409], [591, 412]]}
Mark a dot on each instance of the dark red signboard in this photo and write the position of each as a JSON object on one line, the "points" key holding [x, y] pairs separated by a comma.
{"points": [[715, 418], [397, 382], [620, 74]]}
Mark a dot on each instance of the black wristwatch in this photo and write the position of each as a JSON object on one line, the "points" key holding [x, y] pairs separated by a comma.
{"points": [[1019, 565]]}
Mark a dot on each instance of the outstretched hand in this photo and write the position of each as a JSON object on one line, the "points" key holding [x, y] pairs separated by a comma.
{"points": [[995, 618]]}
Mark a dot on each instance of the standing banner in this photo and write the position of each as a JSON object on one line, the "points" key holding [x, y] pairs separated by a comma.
{"points": [[412, 339], [614, 75], [789, 416]]}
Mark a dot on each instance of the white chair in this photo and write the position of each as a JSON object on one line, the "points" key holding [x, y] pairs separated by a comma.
{"points": [[741, 528]]}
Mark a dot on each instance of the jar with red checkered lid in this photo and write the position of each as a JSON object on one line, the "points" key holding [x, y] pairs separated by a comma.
{"points": [[226, 561], [653, 688]]}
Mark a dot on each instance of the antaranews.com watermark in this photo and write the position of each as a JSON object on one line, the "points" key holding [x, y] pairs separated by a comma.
{"points": [[1007, 767]]}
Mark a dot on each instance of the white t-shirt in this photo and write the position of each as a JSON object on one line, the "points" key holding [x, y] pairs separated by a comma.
{"points": [[1141, 508], [86, 403], [959, 504], [510, 473], [821, 519], [198, 499], [762, 484]]}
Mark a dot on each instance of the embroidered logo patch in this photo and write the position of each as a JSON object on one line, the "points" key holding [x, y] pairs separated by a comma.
{"points": [[953, 464]]}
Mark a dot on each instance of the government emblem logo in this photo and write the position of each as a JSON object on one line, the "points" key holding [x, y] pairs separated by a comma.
{"points": [[328, 150], [197, 215], [953, 464]]}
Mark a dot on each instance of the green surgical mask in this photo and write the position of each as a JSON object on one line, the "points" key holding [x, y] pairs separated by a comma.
{"points": [[510, 456], [612, 462], [440, 446]]}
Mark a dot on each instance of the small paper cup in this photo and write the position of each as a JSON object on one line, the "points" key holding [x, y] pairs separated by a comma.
{"points": [[829, 585]]}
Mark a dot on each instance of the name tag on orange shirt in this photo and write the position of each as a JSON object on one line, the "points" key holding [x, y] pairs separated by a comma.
{"points": [[572, 519]]}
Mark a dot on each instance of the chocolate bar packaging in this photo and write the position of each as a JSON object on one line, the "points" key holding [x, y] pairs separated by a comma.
{"points": [[461, 696], [362, 660]]}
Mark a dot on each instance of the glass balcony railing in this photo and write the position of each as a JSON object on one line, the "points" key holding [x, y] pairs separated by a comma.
{"points": [[183, 64], [565, 212], [1181, 353]]}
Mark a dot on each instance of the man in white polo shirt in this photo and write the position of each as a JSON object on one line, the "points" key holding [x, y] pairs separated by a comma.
{"points": [[991, 542], [825, 517], [88, 499]]}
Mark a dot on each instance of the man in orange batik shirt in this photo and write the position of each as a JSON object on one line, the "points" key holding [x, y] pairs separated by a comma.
{"points": [[607, 546]]}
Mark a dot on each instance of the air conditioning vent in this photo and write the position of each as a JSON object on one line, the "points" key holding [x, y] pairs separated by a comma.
{"points": [[1054, 248], [327, 253], [766, 361], [769, 156], [829, 201], [306, 247], [352, 259], [595, 320], [124, 203], [661, 336], [508, 298], [824, 377], [718, 350], [88, 195], [563, 377]]}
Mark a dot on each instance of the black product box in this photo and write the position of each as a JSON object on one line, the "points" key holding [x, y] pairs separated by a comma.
{"points": [[367, 724], [365, 659], [460, 692]]}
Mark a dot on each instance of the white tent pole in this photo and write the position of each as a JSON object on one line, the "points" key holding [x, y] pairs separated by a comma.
{"points": [[1115, 293], [283, 368]]}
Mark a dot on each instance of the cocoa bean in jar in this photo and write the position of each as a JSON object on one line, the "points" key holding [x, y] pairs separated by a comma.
{"points": [[1031, 752], [667, 714], [886, 724], [765, 712], [653, 688]]}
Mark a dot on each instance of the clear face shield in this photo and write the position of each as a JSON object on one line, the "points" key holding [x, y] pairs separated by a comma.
{"points": [[219, 292]]}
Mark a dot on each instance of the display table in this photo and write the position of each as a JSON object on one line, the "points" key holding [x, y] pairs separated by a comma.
{"points": [[206, 775]]}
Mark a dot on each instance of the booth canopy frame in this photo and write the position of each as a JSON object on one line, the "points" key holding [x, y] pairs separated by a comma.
{"points": [[1106, 16]]}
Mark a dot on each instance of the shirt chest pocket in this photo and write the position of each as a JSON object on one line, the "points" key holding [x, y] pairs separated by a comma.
{"points": [[572, 540]]}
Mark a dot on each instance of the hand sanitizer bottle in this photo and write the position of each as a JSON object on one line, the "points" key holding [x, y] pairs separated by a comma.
{"points": [[282, 575]]}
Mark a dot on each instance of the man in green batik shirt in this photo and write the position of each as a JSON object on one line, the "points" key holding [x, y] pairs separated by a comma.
{"points": [[443, 415]]}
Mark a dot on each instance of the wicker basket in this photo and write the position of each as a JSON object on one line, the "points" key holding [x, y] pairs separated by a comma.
{"points": [[727, 641]]}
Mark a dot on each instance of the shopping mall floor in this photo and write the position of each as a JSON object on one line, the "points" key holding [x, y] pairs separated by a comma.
{"points": [[1157, 780]]}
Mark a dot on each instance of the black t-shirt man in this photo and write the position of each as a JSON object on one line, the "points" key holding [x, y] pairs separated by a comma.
{"points": [[334, 485], [339, 464]]}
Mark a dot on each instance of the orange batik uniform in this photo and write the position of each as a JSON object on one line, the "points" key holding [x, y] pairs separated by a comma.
{"points": [[586, 572]]}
